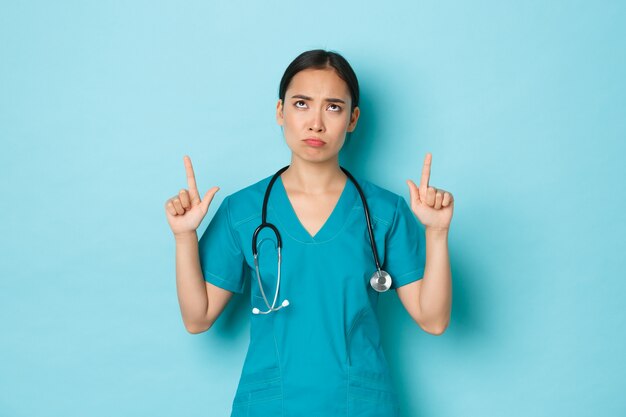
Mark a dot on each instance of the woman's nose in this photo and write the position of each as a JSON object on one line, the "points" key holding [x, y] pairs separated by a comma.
{"points": [[316, 122]]}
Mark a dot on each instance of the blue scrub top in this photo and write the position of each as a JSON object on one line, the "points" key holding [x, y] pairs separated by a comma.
{"points": [[321, 355]]}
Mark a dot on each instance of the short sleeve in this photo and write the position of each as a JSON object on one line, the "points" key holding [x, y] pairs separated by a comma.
{"points": [[221, 258], [405, 249]]}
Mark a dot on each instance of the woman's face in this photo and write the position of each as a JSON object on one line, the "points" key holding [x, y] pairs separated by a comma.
{"points": [[316, 114]]}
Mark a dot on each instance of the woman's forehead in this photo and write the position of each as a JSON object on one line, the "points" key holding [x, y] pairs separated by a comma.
{"points": [[318, 82]]}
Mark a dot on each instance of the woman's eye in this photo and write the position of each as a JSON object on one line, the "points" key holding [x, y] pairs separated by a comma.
{"points": [[334, 107], [300, 104]]}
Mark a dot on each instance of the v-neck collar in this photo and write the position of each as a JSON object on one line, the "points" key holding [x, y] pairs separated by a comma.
{"points": [[291, 225]]}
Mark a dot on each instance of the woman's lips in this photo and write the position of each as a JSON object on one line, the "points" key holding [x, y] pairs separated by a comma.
{"points": [[314, 142]]}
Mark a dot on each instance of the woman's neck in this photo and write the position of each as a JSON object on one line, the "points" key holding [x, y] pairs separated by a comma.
{"points": [[314, 178]]}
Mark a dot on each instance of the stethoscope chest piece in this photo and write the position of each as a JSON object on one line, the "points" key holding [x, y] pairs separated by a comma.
{"points": [[380, 281]]}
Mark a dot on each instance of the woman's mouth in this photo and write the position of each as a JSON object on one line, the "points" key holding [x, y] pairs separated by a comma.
{"points": [[314, 142]]}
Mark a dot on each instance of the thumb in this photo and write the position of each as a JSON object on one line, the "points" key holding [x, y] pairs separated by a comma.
{"points": [[208, 197], [414, 191]]}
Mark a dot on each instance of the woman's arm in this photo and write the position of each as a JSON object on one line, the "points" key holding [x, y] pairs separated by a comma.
{"points": [[200, 302], [184, 213], [429, 300]]}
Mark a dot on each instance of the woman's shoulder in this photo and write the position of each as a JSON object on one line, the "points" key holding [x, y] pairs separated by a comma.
{"points": [[247, 202], [381, 202], [251, 191]]}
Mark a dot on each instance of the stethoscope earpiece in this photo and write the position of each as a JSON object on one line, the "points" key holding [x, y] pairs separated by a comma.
{"points": [[285, 303]]}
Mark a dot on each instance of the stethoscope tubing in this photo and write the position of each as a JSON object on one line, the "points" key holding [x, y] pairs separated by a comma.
{"points": [[265, 224], [367, 218], [379, 276]]}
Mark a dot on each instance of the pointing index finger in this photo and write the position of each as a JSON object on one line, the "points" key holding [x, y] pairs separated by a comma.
{"points": [[426, 171], [191, 179]]}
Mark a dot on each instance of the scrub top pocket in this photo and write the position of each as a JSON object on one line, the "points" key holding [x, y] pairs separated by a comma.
{"points": [[258, 394], [370, 394]]}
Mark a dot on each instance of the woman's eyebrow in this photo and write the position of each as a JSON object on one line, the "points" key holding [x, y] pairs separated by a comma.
{"points": [[330, 99]]}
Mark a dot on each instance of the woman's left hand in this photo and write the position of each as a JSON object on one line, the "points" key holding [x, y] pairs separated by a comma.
{"points": [[432, 206]]}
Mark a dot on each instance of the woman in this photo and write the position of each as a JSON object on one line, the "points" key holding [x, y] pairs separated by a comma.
{"points": [[314, 337]]}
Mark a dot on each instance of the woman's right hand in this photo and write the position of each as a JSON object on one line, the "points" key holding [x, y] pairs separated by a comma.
{"points": [[185, 211]]}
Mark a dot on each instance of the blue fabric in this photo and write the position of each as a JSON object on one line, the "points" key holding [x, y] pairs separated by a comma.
{"points": [[321, 355], [220, 254]]}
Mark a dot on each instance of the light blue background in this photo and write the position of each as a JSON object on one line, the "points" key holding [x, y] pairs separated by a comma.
{"points": [[522, 105]]}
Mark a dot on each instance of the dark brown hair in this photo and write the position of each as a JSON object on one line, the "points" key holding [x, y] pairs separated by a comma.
{"points": [[320, 59]]}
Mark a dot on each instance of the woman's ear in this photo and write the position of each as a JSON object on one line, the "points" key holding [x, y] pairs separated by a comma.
{"points": [[279, 112], [354, 118]]}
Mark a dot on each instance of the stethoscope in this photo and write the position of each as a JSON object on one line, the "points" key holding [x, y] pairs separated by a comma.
{"points": [[380, 280]]}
